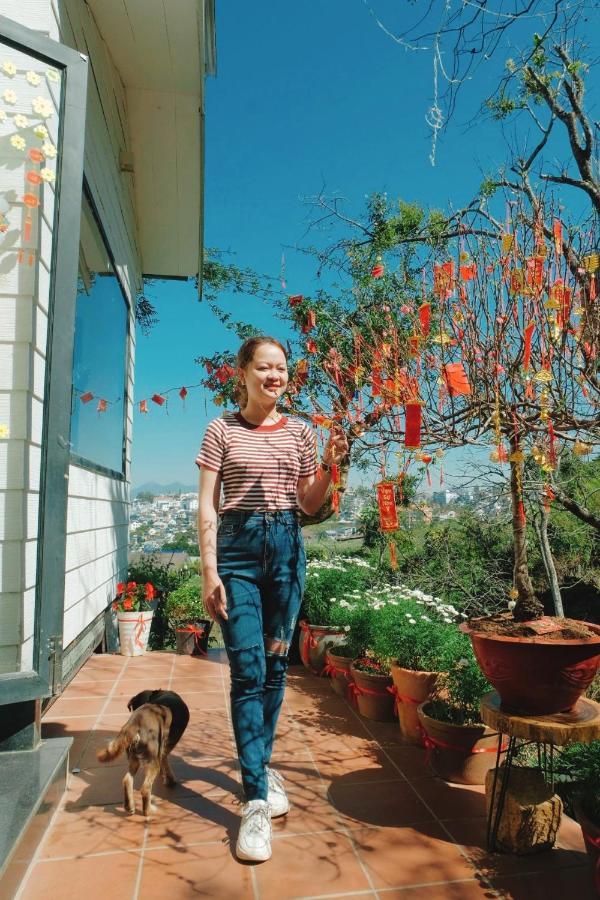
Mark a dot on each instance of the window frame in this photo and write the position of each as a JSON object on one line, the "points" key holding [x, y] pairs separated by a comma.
{"points": [[75, 459]]}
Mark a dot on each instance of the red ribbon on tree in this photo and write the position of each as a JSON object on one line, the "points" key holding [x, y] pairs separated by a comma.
{"points": [[527, 350], [412, 434], [377, 270], [557, 234]]}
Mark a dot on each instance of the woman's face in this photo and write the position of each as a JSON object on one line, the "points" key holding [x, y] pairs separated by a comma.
{"points": [[266, 375]]}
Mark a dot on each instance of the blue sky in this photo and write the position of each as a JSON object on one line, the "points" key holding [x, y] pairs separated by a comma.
{"points": [[308, 96]]}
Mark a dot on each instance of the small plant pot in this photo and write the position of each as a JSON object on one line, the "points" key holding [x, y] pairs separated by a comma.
{"points": [[315, 641], [411, 688], [338, 670], [461, 754], [192, 639], [372, 695], [134, 631], [591, 838]]}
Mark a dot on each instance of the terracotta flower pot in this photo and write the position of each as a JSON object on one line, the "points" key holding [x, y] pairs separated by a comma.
{"points": [[412, 688], [591, 837], [372, 695], [338, 670], [536, 675], [462, 754], [315, 640]]}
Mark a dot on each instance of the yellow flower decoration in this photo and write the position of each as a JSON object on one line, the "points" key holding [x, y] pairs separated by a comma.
{"points": [[42, 107], [9, 69], [41, 131], [18, 142], [4, 431], [21, 121], [47, 174], [9, 97], [33, 78], [49, 150], [52, 75]]}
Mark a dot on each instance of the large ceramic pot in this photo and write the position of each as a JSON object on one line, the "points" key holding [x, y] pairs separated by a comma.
{"points": [[134, 631], [337, 669], [192, 639], [372, 694], [536, 675], [411, 688], [315, 640], [591, 838], [462, 754]]}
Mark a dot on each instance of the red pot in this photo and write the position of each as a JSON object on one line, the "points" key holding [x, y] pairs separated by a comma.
{"points": [[412, 687], [372, 694], [315, 640], [535, 675], [338, 670]]}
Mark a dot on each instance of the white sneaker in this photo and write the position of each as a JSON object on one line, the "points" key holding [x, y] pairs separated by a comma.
{"points": [[254, 839], [277, 797]]}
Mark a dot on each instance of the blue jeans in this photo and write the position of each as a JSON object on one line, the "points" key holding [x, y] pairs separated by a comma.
{"points": [[261, 562]]}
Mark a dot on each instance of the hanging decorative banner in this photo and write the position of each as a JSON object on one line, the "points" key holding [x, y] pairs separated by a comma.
{"points": [[413, 345], [425, 318], [557, 235], [301, 375], [443, 279], [386, 502], [310, 321], [156, 398], [311, 346], [535, 271], [591, 263], [85, 398], [517, 282], [378, 269], [507, 243], [527, 349], [223, 373], [376, 383], [412, 434], [183, 392], [468, 272], [143, 406], [295, 299], [456, 379], [102, 405]]}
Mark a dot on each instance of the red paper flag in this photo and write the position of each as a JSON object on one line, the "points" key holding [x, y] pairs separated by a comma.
{"points": [[183, 393], [412, 435], [156, 398], [425, 318], [557, 234], [456, 379], [143, 406], [377, 270], [311, 346], [376, 383], [310, 321], [295, 299], [386, 501], [85, 398], [413, 345], [102, 404], [527, 351]]}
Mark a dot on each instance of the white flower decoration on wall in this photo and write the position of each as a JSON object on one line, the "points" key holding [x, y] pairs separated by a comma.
{"points": [[2, 116], [47, 174], [21, 121], [49, 150], [9, 97], [41, 131], [33, 78], [18, 142], [9, 69], [52, 75], [42, 107]]}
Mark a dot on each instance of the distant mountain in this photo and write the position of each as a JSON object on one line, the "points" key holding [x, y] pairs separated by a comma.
{"points": [[152, 487]]}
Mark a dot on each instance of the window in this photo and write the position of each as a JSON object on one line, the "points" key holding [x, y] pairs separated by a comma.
{"points": [[99, 355]]}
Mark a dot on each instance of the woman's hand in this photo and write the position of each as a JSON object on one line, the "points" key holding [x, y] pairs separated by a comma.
{"points": [[337, 446], [214, 596]]}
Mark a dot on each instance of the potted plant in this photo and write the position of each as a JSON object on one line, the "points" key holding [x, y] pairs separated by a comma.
{"points": [[325, 621], [460, 748], [371, 688], [411, 635], [134, 616], [188, 619], [578, 776], [338, 660]]}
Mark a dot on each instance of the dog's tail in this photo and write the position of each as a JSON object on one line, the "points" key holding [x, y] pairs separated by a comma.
{"points": [[127, 736]]}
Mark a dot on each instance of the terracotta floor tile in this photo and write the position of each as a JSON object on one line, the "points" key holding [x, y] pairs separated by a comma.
{"points": [[79, 832], [73, 879], [459, 890], [96, 787], [193, 684], [471, 834], [389, 804], [310, 809], [207, 870], [450, 801], [556, 885], [306, 865], [88, 690], [397, 857], [409, 759], [355, 767], [65, 708], [191, 820], [199, 777]]}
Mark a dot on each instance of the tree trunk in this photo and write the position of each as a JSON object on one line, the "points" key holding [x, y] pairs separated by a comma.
{"points": [[527, 606], [541, 528]]}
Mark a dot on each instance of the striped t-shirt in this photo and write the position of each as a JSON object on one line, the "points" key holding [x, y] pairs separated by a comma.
{"points": [[259, 464]]}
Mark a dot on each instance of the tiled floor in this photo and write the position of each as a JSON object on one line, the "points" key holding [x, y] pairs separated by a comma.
{"points": [[367, 818]]}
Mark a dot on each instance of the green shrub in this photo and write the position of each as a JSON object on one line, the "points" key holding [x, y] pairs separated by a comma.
{"points": [[165, 578], [578, 767], [462, 684], [184, 604], [330, 581]]}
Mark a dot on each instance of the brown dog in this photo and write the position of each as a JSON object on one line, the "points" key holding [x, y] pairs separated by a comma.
{"points": [[145, 738]]}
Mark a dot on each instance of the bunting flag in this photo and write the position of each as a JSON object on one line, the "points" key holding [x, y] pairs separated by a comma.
{"points": [[143, 406], [158, 399], [85, 398], [102, 406]]}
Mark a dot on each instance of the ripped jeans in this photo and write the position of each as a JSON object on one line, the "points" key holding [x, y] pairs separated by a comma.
{"points": [[261, 562]]}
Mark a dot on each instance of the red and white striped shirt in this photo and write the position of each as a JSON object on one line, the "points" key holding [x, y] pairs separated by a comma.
{"points": [[259, 464]]}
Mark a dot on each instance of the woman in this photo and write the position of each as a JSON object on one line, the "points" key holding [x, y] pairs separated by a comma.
{"points": [[253, 564]]}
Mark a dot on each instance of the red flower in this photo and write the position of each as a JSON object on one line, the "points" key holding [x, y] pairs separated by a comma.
{"points": [[120, 588], [149, 591], [128, 603], [115, 606], [131, 585]]}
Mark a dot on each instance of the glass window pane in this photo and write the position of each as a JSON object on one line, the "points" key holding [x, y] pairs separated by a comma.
{"points": [[99, 355]]}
